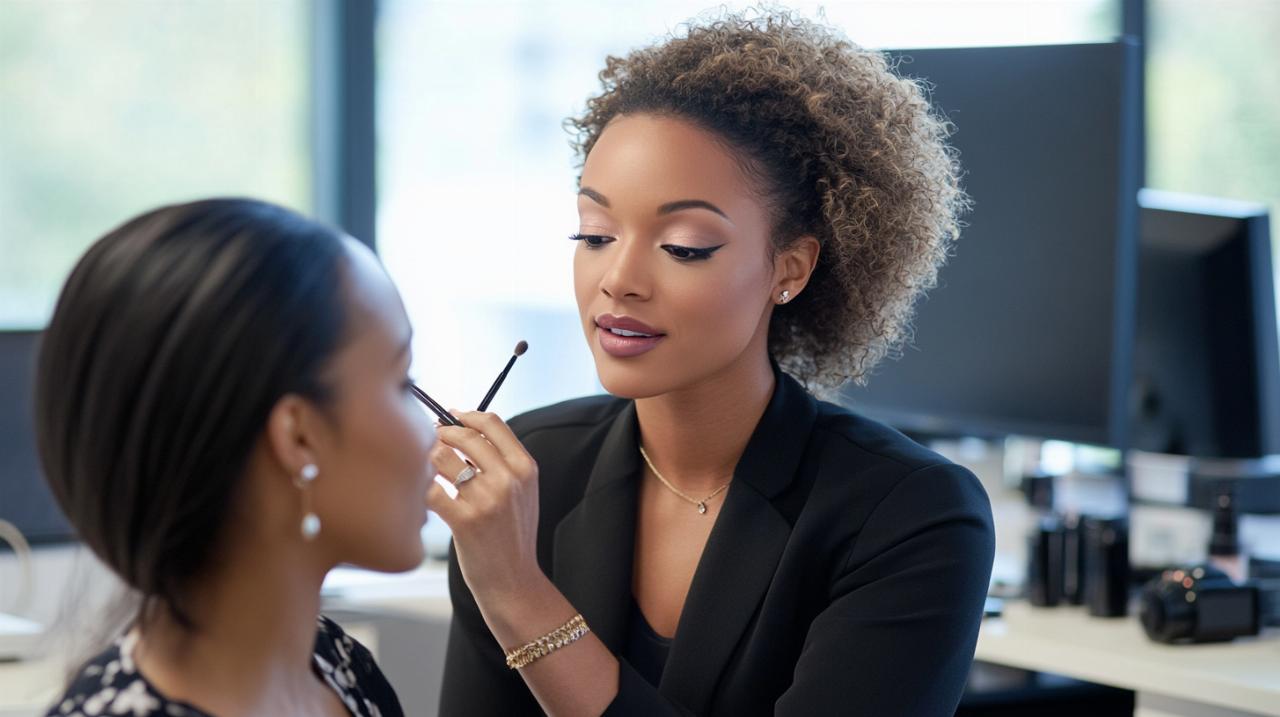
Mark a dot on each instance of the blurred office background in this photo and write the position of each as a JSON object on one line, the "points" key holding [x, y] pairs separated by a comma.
{"points": [[110, 108], [432, 131]]}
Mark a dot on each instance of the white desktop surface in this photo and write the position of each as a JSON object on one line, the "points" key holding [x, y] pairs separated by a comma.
{"points": [[360, 601], [421, 592], [1240, 677], [1237, 678], [28, 687], [18, 636]]}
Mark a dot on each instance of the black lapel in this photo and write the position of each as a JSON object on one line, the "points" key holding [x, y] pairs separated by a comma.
{"points": [[595, 542], [742, 552]]}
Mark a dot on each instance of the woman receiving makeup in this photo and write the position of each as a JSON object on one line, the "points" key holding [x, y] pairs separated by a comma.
{"points": [[761, 203], [223, 414]]}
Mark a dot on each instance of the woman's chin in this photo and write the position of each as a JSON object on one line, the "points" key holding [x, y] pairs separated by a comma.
{"points": [[627, 382], [401, 560]]}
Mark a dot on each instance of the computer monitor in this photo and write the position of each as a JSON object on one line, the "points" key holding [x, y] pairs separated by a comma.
{"points": [[25, 499], [1029, 331], [1206, 361]]}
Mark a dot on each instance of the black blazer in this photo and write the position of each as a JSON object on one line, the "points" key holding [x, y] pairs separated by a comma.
{"points": [[845, 574]]}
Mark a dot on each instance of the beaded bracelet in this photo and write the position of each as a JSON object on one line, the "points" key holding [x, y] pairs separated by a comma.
{"points": [[566, 634]]}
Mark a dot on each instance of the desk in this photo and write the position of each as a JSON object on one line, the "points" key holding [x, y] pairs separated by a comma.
{"points": [[1222, 680], [27, 688], [404, 620]]}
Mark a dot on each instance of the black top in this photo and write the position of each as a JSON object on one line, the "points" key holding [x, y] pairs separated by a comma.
{"points": [[646, 650], [110, 683], [845, 573]]}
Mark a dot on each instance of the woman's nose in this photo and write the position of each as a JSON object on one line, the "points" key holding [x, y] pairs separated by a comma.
{"points": [[627, 274]]}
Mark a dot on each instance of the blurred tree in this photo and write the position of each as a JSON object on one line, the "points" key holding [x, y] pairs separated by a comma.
{"points": [[1213, 99], [108, 109]]}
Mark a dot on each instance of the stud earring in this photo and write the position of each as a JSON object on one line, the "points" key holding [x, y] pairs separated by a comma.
{"points": [[310, 521], [784, 297]]}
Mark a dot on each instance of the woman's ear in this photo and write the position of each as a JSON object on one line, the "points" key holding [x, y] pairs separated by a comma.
{"points": [[793, 267], [289, 438]]}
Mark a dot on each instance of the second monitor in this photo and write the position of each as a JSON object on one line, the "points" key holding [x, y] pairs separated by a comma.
{"points": [[1030, 330]]}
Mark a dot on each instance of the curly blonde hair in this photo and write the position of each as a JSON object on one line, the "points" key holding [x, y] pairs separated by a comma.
{"points": [[841, 149]]}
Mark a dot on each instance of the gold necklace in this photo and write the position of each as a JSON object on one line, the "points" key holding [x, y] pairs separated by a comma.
{"points": [[702, 504]]}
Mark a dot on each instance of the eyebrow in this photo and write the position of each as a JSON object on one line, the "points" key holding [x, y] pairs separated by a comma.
{"points": [[594, 196], [668, 208], [683, 204]]}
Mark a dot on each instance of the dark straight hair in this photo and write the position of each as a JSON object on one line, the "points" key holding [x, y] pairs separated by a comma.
{"points": [[172, 340]]}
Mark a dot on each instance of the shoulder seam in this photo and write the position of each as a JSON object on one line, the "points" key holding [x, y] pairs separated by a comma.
{"points": [[844, 564], [864, 449]]}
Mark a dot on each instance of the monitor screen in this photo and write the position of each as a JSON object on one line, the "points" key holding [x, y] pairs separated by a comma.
{"points": [[1029, 329], [1206, 369], [25, 499]]}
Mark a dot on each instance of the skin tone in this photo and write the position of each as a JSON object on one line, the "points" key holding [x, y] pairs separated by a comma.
{"points": [[656, 191], [256, 606]]}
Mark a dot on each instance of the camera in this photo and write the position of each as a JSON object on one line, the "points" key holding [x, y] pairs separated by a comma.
{"points": [[1201, 604]]}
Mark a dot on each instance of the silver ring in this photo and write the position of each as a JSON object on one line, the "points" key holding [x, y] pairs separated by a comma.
{"points": [[465, 475]]}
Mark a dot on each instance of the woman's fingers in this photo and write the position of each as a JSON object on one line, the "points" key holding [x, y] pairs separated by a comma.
{"points": [[447, 462], [474, 446], [476, 491], [442, 500], [494, 516], [504, 479], [498, 433]]}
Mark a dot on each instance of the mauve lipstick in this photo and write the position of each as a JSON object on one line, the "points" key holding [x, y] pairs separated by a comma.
{"points": [[625, 337]]}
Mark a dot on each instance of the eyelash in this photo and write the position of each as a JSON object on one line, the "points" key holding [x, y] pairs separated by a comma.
{"points": [[690, 254], [593, 241]]}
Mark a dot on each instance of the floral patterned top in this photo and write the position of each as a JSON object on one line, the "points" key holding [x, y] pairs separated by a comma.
{"points": [[110, 683]]}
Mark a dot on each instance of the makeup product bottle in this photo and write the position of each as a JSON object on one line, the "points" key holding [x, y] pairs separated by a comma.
{"points": [[1224, 546], [1044, 563], [1073, 559], [1044, 543], [1106, 585]]}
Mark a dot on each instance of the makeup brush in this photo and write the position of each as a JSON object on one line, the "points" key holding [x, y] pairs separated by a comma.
{"points": [[436, 408], [488, 397]]}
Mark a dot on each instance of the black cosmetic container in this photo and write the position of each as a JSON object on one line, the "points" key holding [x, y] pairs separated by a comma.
{"points": [[1107, 573], [1044, 563]]}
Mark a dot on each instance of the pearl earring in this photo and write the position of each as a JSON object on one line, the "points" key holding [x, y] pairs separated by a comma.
{"points": [[310, 521], [784, 297]]}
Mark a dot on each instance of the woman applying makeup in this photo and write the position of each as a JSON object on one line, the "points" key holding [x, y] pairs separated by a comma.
{"points": [[761, 203], [222, 404]]}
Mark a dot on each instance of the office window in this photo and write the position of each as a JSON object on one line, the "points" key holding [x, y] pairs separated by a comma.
{"points": [[108, 109], [1213, 99], [476, 180]]}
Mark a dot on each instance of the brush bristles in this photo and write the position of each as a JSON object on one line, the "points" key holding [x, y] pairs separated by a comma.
{"points": [[521, 348]]}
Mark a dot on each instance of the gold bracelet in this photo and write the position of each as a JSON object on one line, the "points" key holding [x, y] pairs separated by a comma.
{"points": [[566, 634]]}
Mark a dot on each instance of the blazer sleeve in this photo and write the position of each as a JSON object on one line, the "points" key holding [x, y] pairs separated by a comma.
{"points": [[477, 681], [899, 633], [638, 698]]}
